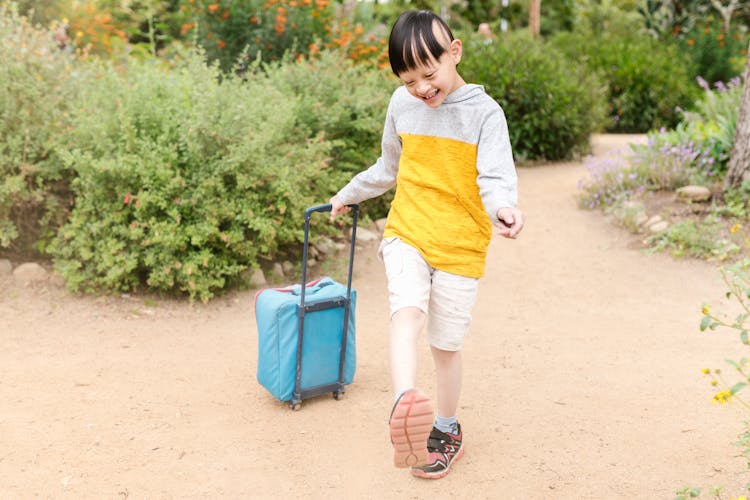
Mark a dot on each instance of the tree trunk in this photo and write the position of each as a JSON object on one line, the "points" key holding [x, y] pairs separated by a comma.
{"points": [[738, 169], [535, 10]]}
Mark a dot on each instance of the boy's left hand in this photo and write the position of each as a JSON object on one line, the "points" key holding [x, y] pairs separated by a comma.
{"points": [[511, 222]]}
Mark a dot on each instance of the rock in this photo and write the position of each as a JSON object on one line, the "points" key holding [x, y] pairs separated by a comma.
{"points": [[658, 227], [365, 235], [277, 270], [326, 246], [6, 268], [57, 280], [257, 279], [287, 267], [693, 193], [653, 220], [380, 224], [30, 272], [641, 219]]}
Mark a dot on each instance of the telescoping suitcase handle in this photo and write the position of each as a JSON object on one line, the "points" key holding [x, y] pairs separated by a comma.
{"points": [[327, 208], [338, 387]]}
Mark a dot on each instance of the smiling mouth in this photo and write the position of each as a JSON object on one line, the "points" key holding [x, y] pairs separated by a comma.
{"points": [[430, 95]]}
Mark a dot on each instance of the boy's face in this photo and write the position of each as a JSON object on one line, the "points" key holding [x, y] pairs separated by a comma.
{"points": [[433, 81]]}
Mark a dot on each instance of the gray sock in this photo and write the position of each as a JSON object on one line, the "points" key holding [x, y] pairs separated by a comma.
{"points": [[446, 424]]}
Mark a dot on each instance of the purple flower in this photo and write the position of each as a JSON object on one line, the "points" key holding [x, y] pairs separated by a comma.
{"points": [[703, 83]]}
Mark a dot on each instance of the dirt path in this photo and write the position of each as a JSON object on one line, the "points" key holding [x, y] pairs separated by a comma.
{"points": [[582, 381]]}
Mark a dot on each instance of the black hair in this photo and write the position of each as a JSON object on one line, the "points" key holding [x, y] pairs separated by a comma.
{"points": [[413, 42]]}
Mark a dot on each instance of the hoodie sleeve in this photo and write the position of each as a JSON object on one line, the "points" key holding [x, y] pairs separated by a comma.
{"points": [[497, 179], [381, 176]]}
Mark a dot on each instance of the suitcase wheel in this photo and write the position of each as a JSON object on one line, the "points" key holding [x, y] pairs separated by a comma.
{"points": [[337, 395], [295, 406]]}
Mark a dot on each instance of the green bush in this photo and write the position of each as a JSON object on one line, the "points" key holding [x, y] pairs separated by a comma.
{"points": [[647, 81], [346, 102], [268, 28], [552, 105], [709, 127], [716, 54], [36, 85], [183, 179], [186, 177]]}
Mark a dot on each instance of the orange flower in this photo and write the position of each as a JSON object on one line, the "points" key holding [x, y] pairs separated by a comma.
{"points": [[213, 7], [185, 28], [254, 20], [691, 42], [720, 36], [222, 44], [225, 15], [292, 4]]}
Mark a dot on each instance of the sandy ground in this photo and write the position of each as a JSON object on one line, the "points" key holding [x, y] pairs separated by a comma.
{"points": [[582, 381]]}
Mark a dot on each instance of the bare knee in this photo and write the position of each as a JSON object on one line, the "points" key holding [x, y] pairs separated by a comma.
{"points": [[409, 317]]}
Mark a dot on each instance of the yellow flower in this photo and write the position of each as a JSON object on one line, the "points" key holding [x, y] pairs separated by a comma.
{"points": [[722, 397], [706, 371], [735, 228], [706, 310], [714, 382], [743, 497]]}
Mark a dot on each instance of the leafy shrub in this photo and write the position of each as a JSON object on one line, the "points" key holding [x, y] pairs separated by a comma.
{"points": [[691, 238], [186, 177], [717, 55], [658, 165], [346, 102], [551, 105], [242, 30], [272, 27], [646, 80], [709, 127], [183, 179], [36, 87]]}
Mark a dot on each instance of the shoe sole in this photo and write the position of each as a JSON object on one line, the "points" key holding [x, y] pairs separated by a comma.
{"points": [[438, 475], [410, 425]]}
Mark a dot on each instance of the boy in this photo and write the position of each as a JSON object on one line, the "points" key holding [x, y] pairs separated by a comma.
{"points": [[446, 148]]}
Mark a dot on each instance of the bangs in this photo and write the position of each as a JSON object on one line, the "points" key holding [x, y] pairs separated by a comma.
{"points": [[413, 42]]}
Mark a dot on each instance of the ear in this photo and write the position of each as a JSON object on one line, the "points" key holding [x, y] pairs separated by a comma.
{"points": [[456, 50]]}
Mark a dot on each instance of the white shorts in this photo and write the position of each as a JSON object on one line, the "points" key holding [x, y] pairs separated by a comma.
{"points": [[447, 299]]}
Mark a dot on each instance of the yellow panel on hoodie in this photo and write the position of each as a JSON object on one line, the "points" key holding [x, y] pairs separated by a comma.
{"points": [[437, 208]]}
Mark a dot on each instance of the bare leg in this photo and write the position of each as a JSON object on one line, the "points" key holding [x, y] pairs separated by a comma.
{"points": [[448, 368], [406, 325]]}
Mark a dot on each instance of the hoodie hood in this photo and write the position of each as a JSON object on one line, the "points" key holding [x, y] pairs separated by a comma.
{"points": [[464, 93]]}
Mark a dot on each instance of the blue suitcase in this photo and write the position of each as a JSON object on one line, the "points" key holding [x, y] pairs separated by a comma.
{"points": [[302, 331]]}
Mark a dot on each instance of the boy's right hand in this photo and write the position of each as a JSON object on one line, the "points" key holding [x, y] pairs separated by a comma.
{"points": [[337, 207]]}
